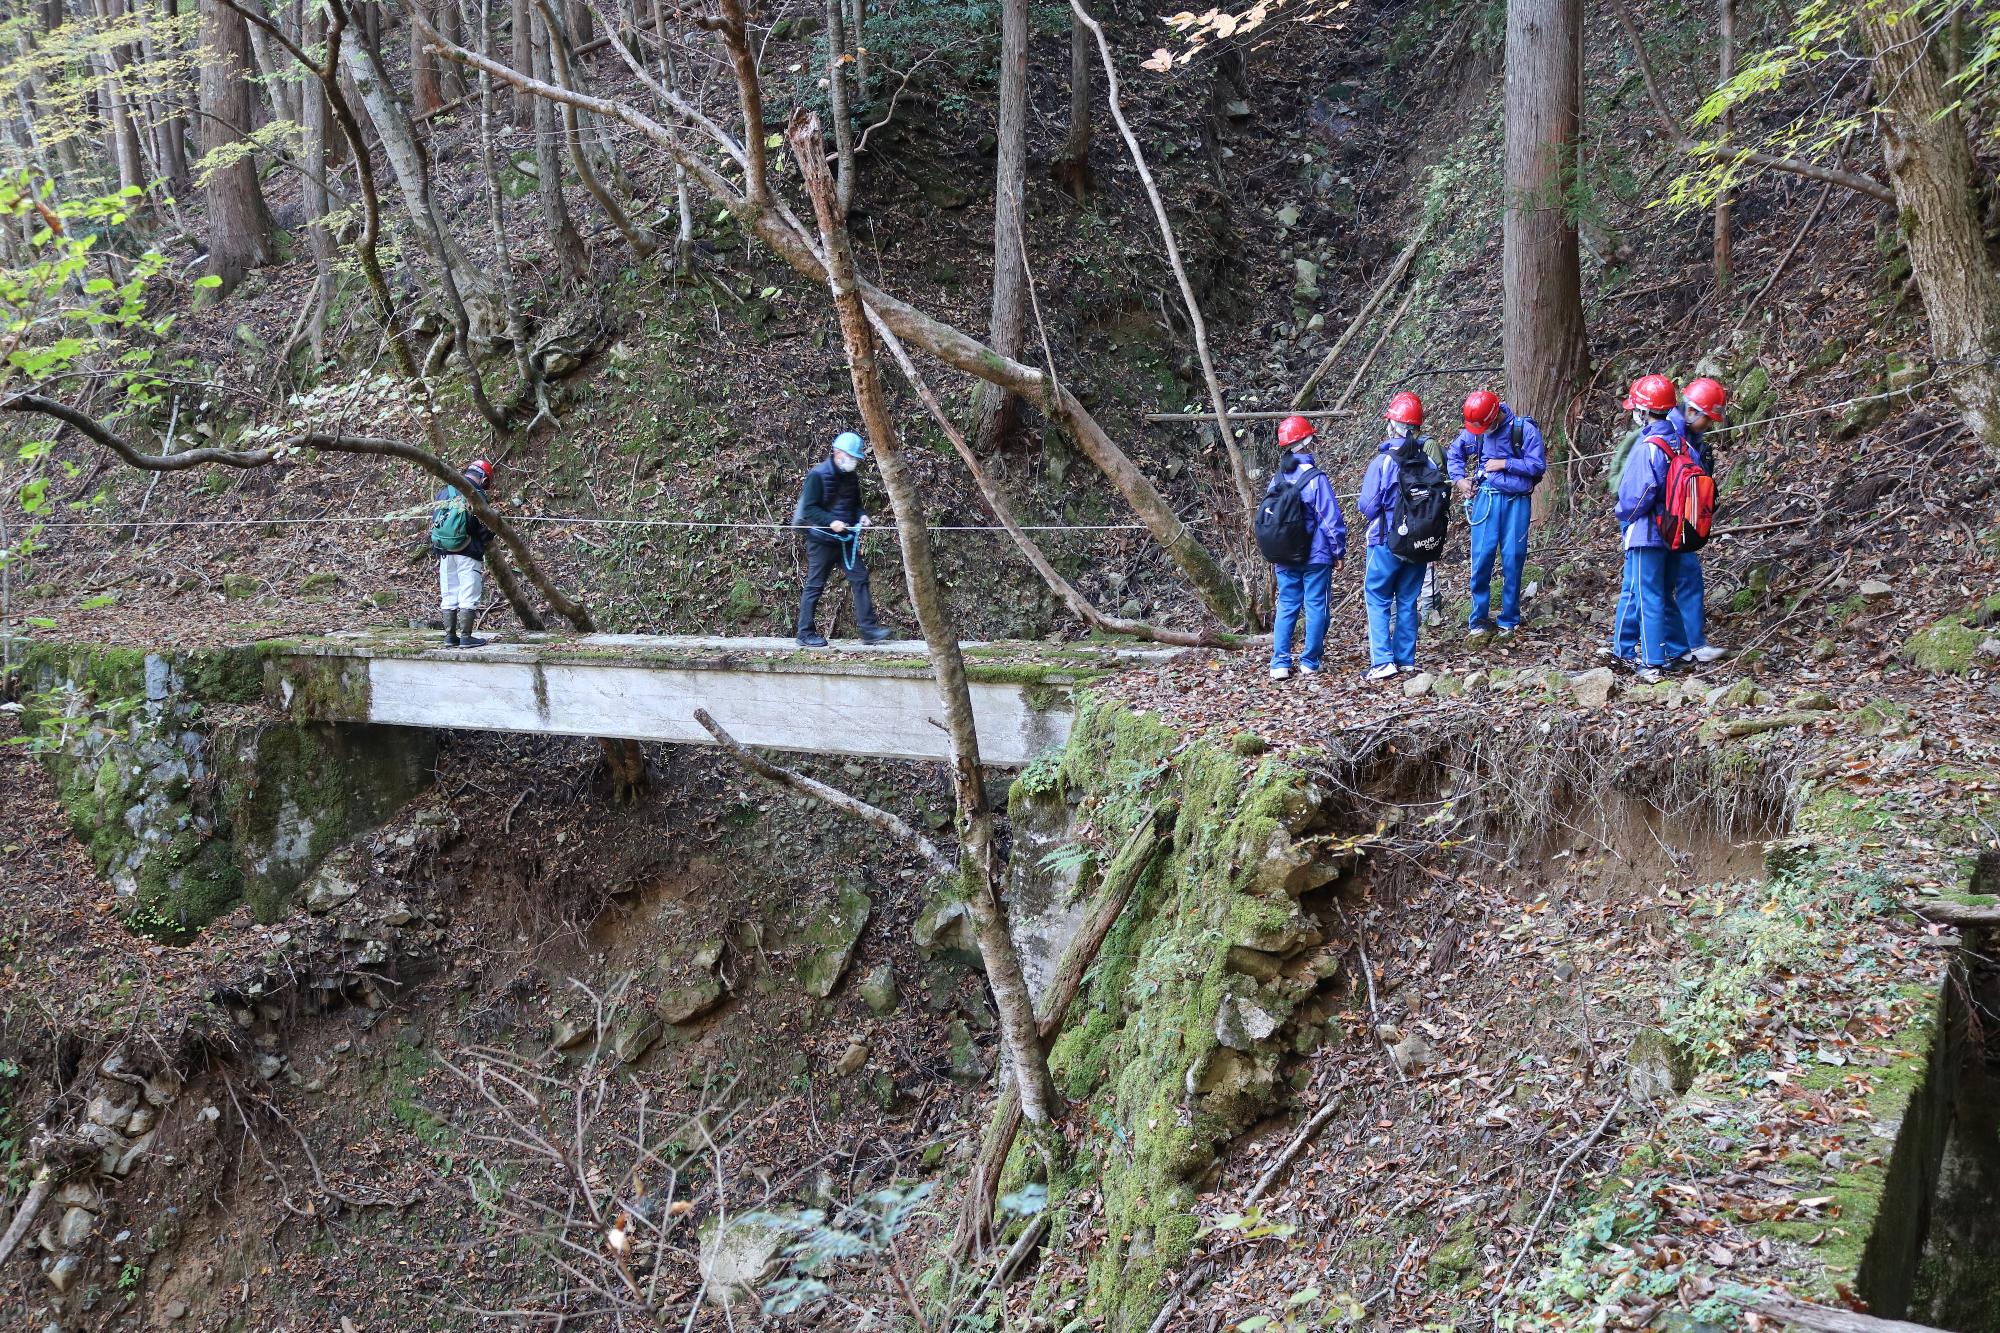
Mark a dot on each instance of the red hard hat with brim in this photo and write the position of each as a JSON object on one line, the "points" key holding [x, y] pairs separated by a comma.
{"points": [[1294, 430], [1482, 409], [1405, 408], [1652, 393]]}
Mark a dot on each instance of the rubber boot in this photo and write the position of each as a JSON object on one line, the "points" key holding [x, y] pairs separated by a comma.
{"points": [[450, 627], [465, 638]]}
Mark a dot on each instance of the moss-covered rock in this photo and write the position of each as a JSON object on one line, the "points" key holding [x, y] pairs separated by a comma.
{"points": [[1951, 645]]}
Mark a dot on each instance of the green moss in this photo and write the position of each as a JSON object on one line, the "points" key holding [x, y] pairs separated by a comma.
{"points": [[319, 583], [1951, 646], [1143, 1052]]}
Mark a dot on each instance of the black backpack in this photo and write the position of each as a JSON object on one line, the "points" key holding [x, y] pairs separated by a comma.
{"points": [[1420, 514], [1284, 525]]}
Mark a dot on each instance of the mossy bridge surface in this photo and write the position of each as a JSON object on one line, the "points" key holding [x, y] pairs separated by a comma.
{"points": [[876, 701]]}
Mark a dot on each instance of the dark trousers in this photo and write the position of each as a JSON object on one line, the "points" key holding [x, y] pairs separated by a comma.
{"points": [[822, 558]]}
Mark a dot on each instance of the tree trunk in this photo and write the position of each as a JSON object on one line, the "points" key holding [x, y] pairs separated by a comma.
{"points": [[1542, 304], [1072, 171], [522, 33], [239, 224], [425, 98], [413, 179], [979, 856], [572, 260], [318, 121], [1724, 202], [1923, 144], [857, 34], [836, 101], [997, 410], [639, 238]]}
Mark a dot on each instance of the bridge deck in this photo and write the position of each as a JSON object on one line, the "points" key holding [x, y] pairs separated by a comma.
{"points": [[874, 701]]}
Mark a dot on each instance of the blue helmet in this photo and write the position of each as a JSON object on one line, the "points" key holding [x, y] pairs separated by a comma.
{"points": [[847, 442]]}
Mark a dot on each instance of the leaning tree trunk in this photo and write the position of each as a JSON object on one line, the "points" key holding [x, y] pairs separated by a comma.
{"points": [[1542, 295], [1010, 275], [571, 258], [413, 180], [1923, 144], [239, 224], [1072, 170], [979, 853]]}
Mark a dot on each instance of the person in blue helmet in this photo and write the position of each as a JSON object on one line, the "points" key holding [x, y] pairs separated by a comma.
{"points": [[1647, 629], [1702, 403], [833, 516], [1495, 463]]}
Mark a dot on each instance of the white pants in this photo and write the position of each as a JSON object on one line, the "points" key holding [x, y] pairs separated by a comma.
{"points": [[461, 582]]}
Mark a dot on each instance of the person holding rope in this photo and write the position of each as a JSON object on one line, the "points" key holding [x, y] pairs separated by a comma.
{"points": [[831, 512], [1495, 464]]}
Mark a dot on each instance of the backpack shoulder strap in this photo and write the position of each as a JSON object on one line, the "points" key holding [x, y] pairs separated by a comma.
{"points": [[1514, 432]]}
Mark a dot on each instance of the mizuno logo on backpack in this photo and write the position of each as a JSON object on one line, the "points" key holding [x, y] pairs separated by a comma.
{"points": [[1420, 514]]}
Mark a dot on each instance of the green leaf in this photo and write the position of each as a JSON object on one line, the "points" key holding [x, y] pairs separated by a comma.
{"points": [[42, 622], [97, 286], [208, 280]]}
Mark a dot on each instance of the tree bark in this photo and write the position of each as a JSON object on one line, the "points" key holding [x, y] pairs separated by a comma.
{"points": [[413, 180], [425, 98], [318, 120], [836, 102], [1072, 171], [571, 258], [239, 224], [1543, 338], [1923, 145], [1009, 322], [522, 33], [978, 852], [637, 237], [1725, 32]]}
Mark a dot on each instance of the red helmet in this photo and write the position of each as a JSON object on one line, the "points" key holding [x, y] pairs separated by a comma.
{"points": [[1706, 396], [1294, 430], [483, 468], [1406, 408], [1482, 411], [1654, 393]]}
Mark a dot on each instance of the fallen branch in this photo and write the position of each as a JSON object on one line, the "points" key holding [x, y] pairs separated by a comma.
{"points": [[1965, 916], [1297, 1145], [1812, 218], [820, 791], [1361, 370], [1397, 268], [31, 1208], [1080, 606], [1825, 1319], [1555, 1188]]}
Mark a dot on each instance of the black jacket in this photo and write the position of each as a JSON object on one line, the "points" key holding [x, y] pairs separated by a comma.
{"points": [[829, 496], [481, 534]]}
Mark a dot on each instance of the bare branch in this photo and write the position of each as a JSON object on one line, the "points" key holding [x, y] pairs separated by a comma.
{"points": [[820, 791]]}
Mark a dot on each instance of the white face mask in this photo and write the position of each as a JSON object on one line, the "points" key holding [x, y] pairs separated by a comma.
{"points": [[846, 462]]}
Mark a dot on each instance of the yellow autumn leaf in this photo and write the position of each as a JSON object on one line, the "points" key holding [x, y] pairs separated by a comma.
{"points": [[1160, 62]]}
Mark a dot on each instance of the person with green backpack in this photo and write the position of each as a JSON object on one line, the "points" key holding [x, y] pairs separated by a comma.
{"points": [[458, 540]]}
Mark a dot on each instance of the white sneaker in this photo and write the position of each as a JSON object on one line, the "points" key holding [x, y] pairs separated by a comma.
{"points": [[1383, 672], [1308, 671], [1281, 673], [1649, 675], [1607, 652], [1708, 652]]}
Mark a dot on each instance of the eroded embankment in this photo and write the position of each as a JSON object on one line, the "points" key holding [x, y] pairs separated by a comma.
{"points": [[1587, 950]]}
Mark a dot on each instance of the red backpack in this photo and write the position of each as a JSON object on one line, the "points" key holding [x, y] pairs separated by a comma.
{"points": [[1687, 499]]}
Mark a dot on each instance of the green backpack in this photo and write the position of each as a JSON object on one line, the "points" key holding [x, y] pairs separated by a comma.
{"points": [[451, 524]]}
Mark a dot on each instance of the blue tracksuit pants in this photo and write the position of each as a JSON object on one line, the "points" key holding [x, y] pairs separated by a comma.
{"points": [[1391, 592], [1499, 530], [1301, 587], [1690, 594], [1647, 628]]}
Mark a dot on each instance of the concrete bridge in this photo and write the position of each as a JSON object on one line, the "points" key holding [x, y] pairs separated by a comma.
{"points": [[875, 701]]}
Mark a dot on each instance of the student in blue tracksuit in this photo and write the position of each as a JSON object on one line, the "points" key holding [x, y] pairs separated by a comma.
{"points": [[1648, 628], [1701, 407], [1306, 586], [1496, 462], [1393, 584]]}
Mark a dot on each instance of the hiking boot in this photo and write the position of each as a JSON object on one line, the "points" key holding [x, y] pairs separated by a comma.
{"points": [[450, 628], [1649, 675], [876, 634], [1708, 652], [1384, 672], [1281, 673], [812, 639], [465, 638]]}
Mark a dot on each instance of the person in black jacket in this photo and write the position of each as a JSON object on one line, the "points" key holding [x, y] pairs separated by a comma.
{"points": [[458, 540], [830, 511]]}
